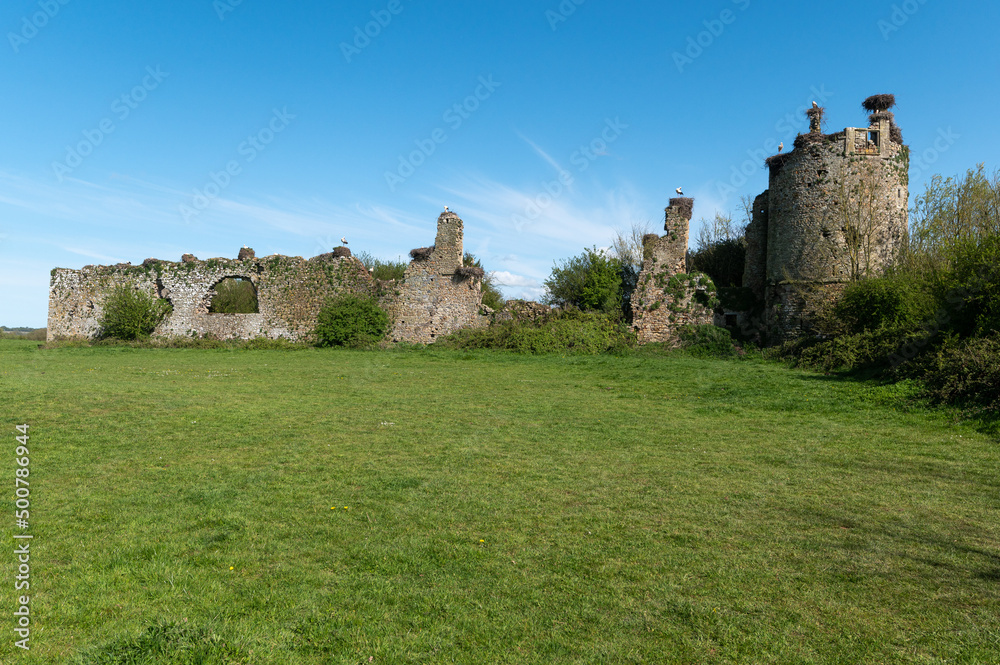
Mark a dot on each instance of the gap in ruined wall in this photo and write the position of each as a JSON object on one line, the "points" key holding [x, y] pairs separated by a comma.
{"points": [[233, 295]]}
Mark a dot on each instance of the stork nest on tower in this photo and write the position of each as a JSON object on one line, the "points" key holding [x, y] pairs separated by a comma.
{"points": [[421, 253], [470, 271], [341, 252], [877, 103], [895, 133], [816, 112], [874, 118], [775, 162], [683, 205]]}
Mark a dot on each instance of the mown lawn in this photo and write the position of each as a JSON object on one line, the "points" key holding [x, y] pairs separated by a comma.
{"points": [[489, 509]]}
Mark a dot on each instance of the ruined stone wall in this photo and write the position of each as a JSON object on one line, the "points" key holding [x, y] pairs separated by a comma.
{"points": [[434, 299], [755, 270], [290, 293], [666, 297], [663, 302]]}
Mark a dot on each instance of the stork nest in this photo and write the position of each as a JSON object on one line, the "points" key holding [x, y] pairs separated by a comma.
{"points": [[807, 139], [341, 252], [684, 206], [816, 112], [874, 118], [421, 253], [649, 237], [895, 133], [775, 162], [877, 103], [470, 271]]}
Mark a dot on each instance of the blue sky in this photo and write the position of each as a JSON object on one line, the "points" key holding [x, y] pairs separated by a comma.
{"points": [[152, 129]]}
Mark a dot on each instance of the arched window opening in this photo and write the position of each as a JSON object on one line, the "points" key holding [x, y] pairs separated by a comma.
{"points": [[234, 295]]}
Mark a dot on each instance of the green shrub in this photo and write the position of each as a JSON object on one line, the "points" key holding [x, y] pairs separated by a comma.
{"points": [[574, 332], [884, 303], [351, 320], [131, 314], [384, 270], [965, 372], [234, 295], [707, 341]]}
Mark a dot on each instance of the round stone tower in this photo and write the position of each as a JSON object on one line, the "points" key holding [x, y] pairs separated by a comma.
{"points": [[835, 211]]}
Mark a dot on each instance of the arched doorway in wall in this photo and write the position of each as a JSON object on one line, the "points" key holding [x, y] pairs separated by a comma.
{"points": [[233, 295]]}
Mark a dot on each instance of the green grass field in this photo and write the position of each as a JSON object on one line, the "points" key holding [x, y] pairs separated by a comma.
{"points": [[489, 509]]}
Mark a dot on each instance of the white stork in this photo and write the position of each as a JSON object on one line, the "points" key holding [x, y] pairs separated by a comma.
{"points": [[679, 191], [343, 241], [781, 146]]}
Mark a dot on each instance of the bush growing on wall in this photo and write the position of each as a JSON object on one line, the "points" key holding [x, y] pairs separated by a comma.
{"points": [[352, 321], [131, 314]]}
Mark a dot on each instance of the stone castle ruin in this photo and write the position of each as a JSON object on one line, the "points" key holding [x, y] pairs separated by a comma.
{"points": [[665, 296], [437, 297], [835, 210]]}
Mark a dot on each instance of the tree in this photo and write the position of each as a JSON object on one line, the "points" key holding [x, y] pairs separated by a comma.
{"points": [[590, 281], [721, 250], [628, 247]]}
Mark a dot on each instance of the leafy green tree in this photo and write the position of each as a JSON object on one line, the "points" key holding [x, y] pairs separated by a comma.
{"points": [[590, 281], [720, 251], [131, 314]]}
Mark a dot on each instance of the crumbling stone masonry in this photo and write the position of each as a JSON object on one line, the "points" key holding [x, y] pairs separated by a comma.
{"points": [[433, 300], [290, 293], [436, 298], [835, 210], [666, 297]]}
